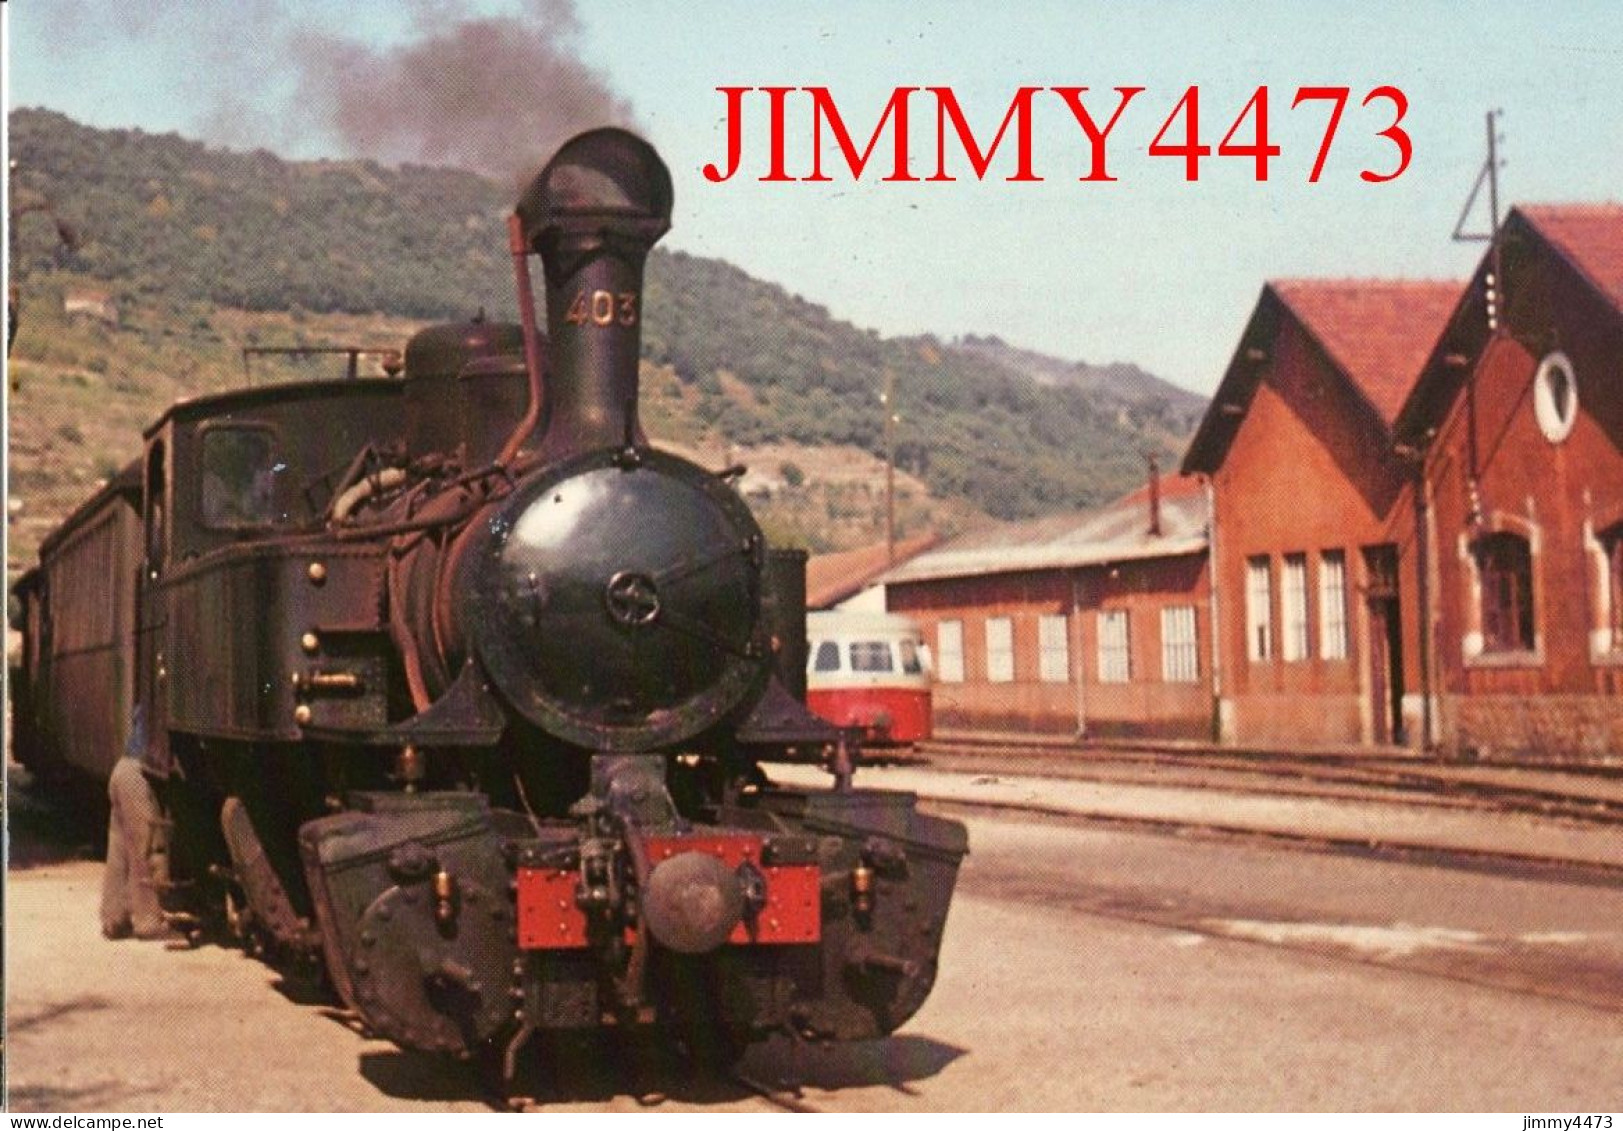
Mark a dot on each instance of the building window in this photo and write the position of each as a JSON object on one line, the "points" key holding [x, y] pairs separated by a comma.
{"points": [[1259, 606], [949, 651], [1115, 663], [1555, 397], [1293, 585], [1053, 650], [1180, 652], [999, 650], [1333, 605], [1505, 565]]}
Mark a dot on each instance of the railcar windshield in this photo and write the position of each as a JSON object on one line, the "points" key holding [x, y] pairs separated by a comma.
{"points": [[871, 656]]}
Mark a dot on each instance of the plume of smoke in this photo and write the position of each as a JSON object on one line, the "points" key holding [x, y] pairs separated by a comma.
{"points": [[488, 94], [491, 93]]}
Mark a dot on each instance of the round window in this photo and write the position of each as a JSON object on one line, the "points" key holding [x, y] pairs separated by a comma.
{"points": [[1555, 397]]}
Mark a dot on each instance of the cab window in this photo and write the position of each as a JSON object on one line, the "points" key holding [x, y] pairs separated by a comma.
{"points": [[239, 477], [827, 658], [871, 656]]}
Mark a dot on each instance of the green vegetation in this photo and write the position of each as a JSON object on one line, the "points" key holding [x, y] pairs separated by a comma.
{"points": [[200, 234]]}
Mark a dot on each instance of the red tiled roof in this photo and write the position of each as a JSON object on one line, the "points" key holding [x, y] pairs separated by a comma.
{"points": [[1379, 332], [831, 578], [1590, 236], [1173, 486], [1585, 239]]}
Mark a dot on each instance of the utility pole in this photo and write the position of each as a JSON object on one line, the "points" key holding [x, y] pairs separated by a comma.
{"points": [[887, 400], [1494, 284], [1489, 175]]}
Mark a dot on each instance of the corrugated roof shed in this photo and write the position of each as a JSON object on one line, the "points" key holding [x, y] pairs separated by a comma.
{"points": [[1115, 533]]}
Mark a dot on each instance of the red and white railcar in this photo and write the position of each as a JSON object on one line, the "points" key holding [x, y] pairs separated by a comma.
{"points": [[870, 672]]}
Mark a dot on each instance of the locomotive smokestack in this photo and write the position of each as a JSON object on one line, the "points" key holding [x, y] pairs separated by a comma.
{"points": [[592, 215]]}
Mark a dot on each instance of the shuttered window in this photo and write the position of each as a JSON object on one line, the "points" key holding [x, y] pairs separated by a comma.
{"points": [[1180, 651], [949, 651], [999, 650], [1294, 639], [1259, 616], [1053, 650], [1115, 662], [1332, 605], [1505, 563]]}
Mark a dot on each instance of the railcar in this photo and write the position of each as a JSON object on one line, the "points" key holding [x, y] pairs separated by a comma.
{"points": [[457, 685], [75, 679], [870, 674]]}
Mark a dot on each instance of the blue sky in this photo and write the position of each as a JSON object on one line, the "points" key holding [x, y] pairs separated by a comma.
{"points": [[1151, 268]]}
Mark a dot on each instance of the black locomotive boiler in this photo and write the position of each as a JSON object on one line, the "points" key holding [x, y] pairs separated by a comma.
{"points": [[456, 684]]}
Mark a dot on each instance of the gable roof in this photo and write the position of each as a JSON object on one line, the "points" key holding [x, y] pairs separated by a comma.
{"points": [[1589, 237], [831, 578], [1586, 238], [1115, 533], [1376, 335]]}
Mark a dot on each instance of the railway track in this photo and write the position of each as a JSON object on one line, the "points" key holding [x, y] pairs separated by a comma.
{"points": [[1582, 794]]}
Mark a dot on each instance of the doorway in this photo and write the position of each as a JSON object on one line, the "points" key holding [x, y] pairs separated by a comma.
{"points": [[1385, 644]]}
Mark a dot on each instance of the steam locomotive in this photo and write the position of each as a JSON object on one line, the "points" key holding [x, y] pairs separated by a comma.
{"points": [[456, 685]]}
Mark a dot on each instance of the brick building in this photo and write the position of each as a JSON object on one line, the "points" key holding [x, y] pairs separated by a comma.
{"points": [[1095, 623], [1313, 549], [1518, 416]]}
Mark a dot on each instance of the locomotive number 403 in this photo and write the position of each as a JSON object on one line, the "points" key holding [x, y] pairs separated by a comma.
{"points": [[602, 308]]}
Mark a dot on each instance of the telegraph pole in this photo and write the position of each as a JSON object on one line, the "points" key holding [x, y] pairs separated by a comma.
{"points": [[1489, 175], [1494, 296], [887, 400]]}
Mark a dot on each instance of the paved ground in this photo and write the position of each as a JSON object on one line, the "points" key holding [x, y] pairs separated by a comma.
{"points": [[1088, 965]]}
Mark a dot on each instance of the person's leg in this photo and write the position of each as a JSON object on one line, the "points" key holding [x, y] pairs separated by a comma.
{"points": [[115, 902], [139, 810]]}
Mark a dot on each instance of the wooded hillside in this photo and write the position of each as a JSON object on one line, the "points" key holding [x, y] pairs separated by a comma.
{"points": [[167, 224]]}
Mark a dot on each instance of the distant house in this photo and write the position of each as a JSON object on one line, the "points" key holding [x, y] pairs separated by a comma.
{"points": [[1518, 415], [1318, 591], [1094, 623], [98, 305]]}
